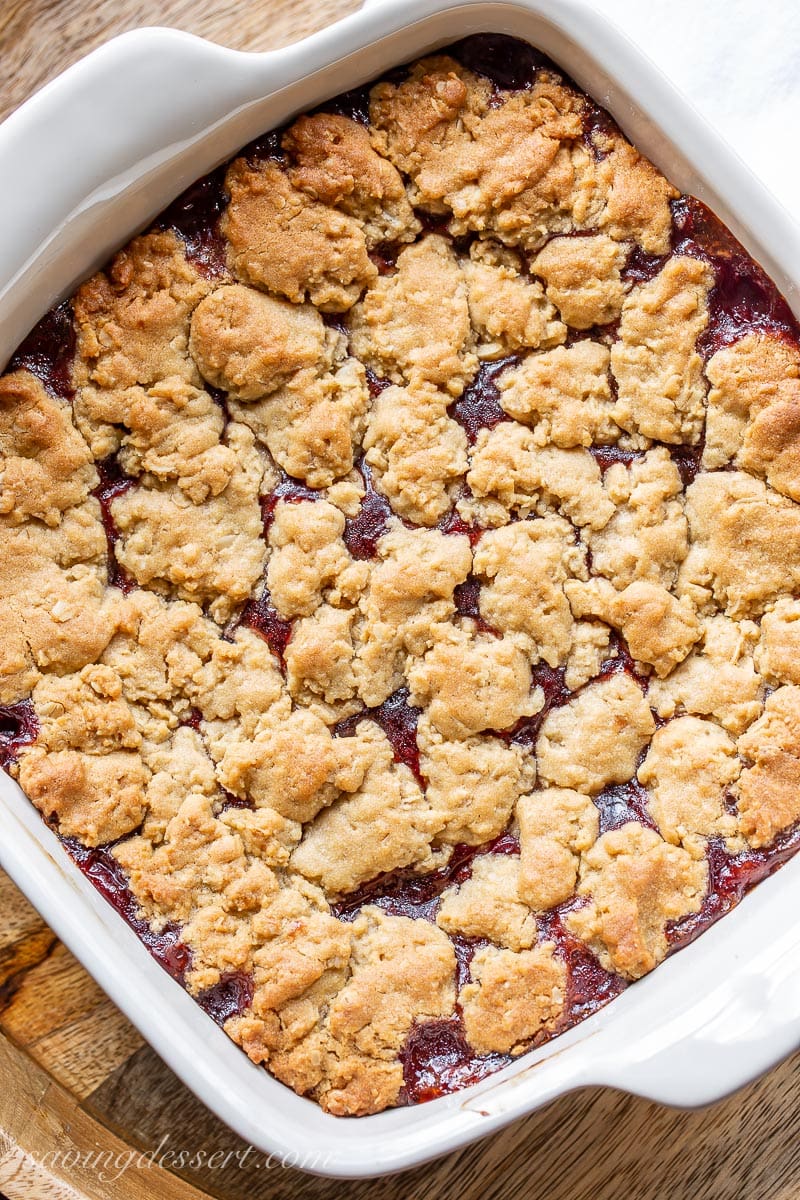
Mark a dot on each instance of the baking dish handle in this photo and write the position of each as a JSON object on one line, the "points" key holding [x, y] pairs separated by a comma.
{"points": [[161, 90]]}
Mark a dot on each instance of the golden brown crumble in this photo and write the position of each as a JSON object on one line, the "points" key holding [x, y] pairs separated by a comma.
{"points": [[281, 240], [512, 996], [583, 278], [403, 543], [489, 905], [767, 789], [656, 364], [555, 827], [635, 883], [334, 161], [414, 326], [417, 451], [508, 311], [690, 768], [564, 395], [596, 738]]}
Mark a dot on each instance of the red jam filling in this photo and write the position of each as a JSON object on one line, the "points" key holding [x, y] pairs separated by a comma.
{"points": [[195, 217], [113, 483], [363, 531], [398, 720], [48, 351], [19, 727], [479, 406], [102, 869], [228, 998], [262, 616]]}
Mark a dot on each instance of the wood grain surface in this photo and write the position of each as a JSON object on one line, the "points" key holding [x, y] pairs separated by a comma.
{"points": [[88, 1110]]}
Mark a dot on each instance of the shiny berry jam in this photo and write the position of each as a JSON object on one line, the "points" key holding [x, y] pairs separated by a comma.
{"points": [[227, 998], [48, 351], [104, 872], [19, 727], [437, 1059], [406, 893], [467, 600], [113, 483], [398, 720], [730, 878], [479, 406], [363, 531], [743, 299], [262, 616], [510, 64], [195, 216], [290, 491]]}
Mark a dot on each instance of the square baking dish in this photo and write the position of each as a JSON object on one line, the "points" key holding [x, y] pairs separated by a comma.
{"points": [[151, 112]]}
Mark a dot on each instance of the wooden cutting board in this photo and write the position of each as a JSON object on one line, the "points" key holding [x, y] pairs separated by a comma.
{"points": [[81, 1095]]}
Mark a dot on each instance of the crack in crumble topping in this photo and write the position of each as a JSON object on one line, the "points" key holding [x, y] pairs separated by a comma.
{"points": [[401, 578]]}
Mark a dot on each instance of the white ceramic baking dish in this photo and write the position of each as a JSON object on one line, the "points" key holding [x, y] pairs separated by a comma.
{"points": [[87, 162]]}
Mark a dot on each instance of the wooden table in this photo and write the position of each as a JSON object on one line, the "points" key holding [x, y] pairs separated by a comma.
{"points": [[79, 1088]]}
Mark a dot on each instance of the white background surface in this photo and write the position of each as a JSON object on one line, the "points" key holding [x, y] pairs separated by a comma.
{"points": [[738, 61]]}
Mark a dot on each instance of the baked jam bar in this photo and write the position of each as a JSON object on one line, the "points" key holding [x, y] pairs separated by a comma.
{"points": [[400, 573]]}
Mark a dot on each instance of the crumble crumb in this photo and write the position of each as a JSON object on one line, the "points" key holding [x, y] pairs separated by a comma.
{"points": [[97, 798], [56, 612], [512, 997], [777, 655], [386, 823], [248, 344], [591, 646], [414, 326], [417, 451], [659, 629], [656, 364], [406, 605], [488, 905], [718, 679], [86, 712], [564, 395], [689, 768], [647, 536], [596, 738], [509, 312], [171, 431], [320, 661], [472, 784], [311, 425], [470, 682], [771, 447], [525, 568], [333, 161], [419, 121], [180, 767], [288, 763], [132, 319], [748, 378], [210, 552], [583, 278], [768, 791], [555, 827], [281, 240], [511, 474], [636, 884], [745, 544], [636, 196], [45, 465], [309, 560]]}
